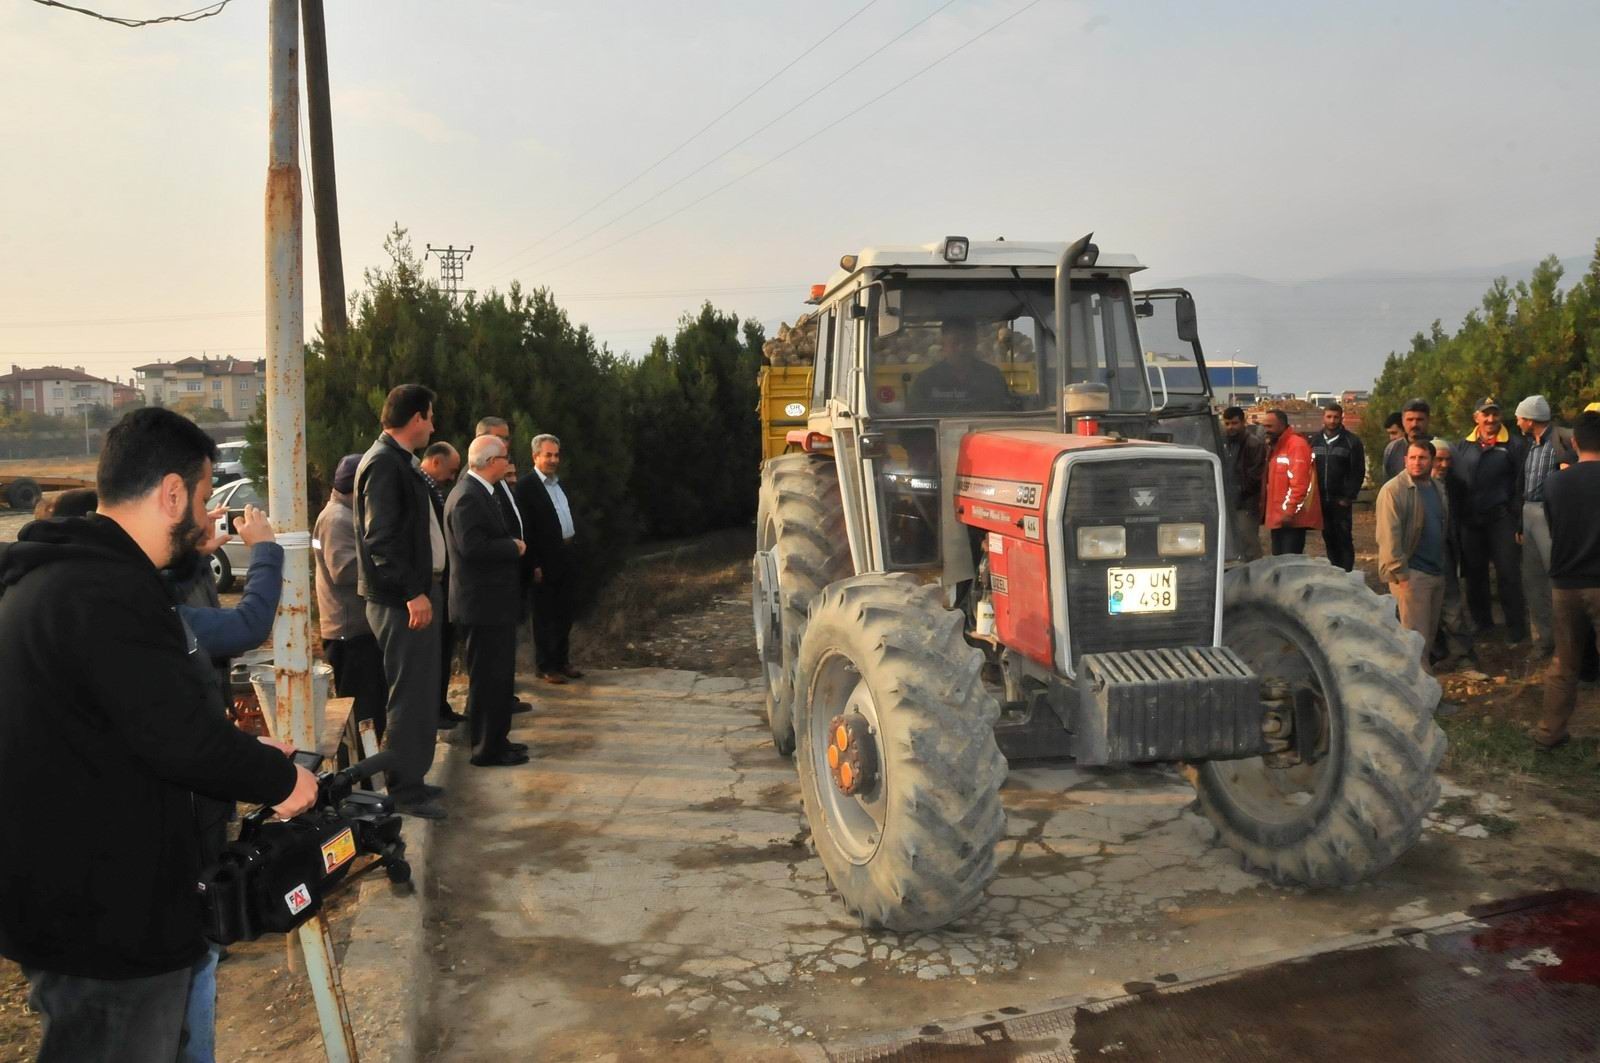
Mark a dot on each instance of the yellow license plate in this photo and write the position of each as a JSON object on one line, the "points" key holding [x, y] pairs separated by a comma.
{"points": [[1142, 590], [338, 851]]}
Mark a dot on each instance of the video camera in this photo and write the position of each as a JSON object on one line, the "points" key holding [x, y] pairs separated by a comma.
{"points": [[278, 873]]}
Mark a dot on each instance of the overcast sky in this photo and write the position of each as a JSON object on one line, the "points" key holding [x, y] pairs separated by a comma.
{"points": [[1282, 141]]}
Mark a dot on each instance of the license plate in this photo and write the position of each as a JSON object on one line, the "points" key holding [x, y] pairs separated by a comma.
{"points": [[1142, 590]]}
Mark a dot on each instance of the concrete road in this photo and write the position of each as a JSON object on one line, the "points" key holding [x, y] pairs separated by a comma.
{"points": [[645, 890]]}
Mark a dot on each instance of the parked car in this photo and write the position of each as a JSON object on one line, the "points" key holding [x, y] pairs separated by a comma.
{"points": [[234, 555], [230, 462]]}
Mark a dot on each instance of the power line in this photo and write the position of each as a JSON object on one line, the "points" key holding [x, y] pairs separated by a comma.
{"points": [[802, 143], [690, 140], [72, 323], [136, 23], [762, 129]]}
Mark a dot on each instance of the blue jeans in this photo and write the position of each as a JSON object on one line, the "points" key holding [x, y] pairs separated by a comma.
{"points": [[200, 1015]]}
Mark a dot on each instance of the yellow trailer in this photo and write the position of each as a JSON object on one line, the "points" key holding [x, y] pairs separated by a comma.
{"points": [[785, 396]]}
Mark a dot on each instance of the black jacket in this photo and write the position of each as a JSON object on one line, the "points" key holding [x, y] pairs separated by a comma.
{"points": [[392, 502], [540, 521], [107, 732], [1490, 479], [1341, 464], [1571, 497], [485, 568], [1247, 463]]}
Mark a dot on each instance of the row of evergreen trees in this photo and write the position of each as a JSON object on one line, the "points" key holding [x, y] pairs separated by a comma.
{"points": [[666, 445], [1530, 338]]}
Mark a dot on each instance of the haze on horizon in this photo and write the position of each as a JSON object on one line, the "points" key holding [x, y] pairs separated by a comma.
{"points": [[1269, 141]]}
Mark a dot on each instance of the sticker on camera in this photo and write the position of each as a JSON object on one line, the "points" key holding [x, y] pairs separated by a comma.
{"points": [[338, 850], [298, 899]]}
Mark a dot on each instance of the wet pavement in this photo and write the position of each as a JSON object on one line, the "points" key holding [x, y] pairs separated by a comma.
{"points": [[645, 889]]}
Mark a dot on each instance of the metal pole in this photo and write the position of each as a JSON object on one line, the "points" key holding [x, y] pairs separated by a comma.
{"points": [[297, 713], [324, 186]]}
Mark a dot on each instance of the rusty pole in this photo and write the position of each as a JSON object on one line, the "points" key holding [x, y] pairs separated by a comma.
{"points": [[297, 714]]}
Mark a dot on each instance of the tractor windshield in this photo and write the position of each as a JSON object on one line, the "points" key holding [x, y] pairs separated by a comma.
{"points": [[939, 347]]}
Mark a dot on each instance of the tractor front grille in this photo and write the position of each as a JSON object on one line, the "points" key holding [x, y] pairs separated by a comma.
{"points": [[1172, 490]]}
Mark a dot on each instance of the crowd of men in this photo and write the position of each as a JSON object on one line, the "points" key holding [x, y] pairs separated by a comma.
{"points": [[413, 554], [1502, 513]]}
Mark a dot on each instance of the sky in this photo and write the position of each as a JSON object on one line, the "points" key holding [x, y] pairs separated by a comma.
{"points": [[589, 146]]}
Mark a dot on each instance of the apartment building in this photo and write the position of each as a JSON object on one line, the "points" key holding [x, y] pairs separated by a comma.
{"points": [[231, 385], [59, 391]]}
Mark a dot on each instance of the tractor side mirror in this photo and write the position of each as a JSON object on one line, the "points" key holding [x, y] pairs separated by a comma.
{"points": [[1144, 309], [1188, 324], [889, 319]]}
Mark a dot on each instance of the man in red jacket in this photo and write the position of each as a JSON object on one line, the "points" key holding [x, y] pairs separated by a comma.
{"points": [[1290, 504]]}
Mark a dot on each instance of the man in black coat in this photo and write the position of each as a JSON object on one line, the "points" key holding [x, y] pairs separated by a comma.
{"points": [[1341, 470], [401, 555], [486, 599], [1488, 468], [549, 564], [440, 464], [101, 762]]}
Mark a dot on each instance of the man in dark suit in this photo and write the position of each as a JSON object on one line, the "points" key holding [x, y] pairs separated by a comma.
{"points": [[440, 465], [497, 427], [485, 600], [400, 555], [549, 564]]}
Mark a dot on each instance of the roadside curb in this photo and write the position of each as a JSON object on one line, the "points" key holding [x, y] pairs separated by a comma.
{"points": [[384, 970]]}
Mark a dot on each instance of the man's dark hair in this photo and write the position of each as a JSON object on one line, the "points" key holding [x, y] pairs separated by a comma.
{"points": [[145, 446], [1392, 421], [78, 502], [440, 449], [1424, 443], [486, 423], [1586, 433], [1418, 406], [1233, 413], [1282, 417], [1334, 406], [404, 403]]}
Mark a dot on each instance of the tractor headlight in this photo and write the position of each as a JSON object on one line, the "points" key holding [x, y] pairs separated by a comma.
{"points": [[1099, 543], [1181, 540]]}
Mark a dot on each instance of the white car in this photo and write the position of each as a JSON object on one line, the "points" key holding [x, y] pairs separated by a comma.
{"points": [[234, 556], [230, 462]]}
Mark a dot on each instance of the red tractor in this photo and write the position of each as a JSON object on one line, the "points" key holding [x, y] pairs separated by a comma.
{"points": [[1002, 534]]}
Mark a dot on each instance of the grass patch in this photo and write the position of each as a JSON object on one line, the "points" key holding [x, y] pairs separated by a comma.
{"points": [[1485, 746]]}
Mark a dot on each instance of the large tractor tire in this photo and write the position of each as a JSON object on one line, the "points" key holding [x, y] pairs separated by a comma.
{"points": [[800, 549], [1305, 625], [898, 765], [24, 493]]}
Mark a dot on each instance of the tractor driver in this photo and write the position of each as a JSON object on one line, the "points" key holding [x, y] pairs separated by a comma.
{"points": [[960, 382]]}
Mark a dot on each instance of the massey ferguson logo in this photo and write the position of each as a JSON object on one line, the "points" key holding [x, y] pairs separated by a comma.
{"points": [[1143, 497]]}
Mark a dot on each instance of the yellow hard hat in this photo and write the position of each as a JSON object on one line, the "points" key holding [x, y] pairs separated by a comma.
{"points": [[1593, 407]]}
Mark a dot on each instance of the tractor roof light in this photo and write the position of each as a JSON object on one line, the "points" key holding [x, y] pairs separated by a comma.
{"points": [[955, 248], [1087, 257], [848, 262], [817, 292]]}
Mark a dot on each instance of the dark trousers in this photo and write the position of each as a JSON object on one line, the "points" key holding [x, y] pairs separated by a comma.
{"points": [[1494, 543], [1338, 534], [411, 668], [1288, 541], [100, 1020], [358, 673], [491, 654], [447, 656], [1575, 617], [552, 621]]}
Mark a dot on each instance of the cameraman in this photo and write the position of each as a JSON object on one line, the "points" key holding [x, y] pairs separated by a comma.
{"points": [[107, 734]]}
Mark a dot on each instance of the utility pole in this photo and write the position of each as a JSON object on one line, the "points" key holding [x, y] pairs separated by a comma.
{"points": [[324, 186], [297, 715], [452, 268]]}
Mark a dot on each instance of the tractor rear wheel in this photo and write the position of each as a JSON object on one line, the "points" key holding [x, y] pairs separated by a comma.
{"points": [[800, 549], [1318, 633], [23, 493], [898, 764]]}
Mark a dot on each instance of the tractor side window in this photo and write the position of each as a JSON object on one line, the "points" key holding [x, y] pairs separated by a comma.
{"points": [[907, 478], [847, 352], [822, 369], [1172, 364]]}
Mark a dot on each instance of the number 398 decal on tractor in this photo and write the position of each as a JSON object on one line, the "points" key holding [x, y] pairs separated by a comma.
{"points": [[1001, 534]]}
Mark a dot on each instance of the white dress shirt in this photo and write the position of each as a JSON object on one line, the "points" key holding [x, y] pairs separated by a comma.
{"points": [[558, 498]]}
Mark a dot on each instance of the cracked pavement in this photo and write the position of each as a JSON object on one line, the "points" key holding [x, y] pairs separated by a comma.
{"points": [[647, 881]]}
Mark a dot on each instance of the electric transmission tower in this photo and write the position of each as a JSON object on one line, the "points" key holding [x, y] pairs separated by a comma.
{"points": [[452, 268]]}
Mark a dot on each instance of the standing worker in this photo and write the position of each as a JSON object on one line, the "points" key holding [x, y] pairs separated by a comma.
{"points": [[1415, 418], [550, 562], [1488, 467], [1290, 502], [347, 640], [1572, 504], [401, 552], [1547, 448], [1246, 459], [1413, 519], [1341, 470]]}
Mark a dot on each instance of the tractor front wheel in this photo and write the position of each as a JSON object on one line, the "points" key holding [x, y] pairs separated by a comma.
{"points": [[898, 764], [1364, 735]]}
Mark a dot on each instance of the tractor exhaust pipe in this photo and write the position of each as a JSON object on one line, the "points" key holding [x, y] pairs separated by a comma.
{"points": [[1080, 249]]}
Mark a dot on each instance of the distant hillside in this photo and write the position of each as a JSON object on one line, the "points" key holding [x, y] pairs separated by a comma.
{"points": [[1334, 333]]}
